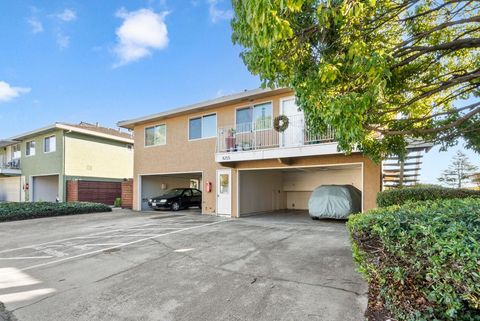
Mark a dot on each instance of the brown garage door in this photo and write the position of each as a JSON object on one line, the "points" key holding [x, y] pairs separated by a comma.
{"points": [[99, 192]]}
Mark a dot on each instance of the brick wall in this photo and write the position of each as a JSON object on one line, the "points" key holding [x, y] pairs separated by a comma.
{"points": [[72, 191], [127, 194]]}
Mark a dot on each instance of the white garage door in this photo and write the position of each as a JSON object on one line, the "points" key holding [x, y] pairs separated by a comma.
{"points": [[45, 188], [10, 189]]}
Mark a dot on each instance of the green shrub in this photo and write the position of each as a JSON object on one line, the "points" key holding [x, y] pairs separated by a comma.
{"points": [[28, 210], [118, 202], [421, 193], [422, 259]]}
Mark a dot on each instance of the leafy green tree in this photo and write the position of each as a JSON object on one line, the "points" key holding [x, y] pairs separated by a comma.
{"points": [[380, 72], [459, 172]]}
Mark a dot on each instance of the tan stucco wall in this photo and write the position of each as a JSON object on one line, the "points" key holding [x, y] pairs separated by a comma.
{"points": [[96, 157], [180, 155]]}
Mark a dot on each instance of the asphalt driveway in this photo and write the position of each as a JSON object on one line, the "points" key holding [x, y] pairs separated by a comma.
{"points": [[165, 266]]}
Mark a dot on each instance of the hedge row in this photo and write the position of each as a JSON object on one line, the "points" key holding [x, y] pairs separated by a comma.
{"points": [[28, 210], [422, 193], [422, 260]]}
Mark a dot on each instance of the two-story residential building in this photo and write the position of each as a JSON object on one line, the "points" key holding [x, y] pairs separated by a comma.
{"points": [[233, 150], [39, 164], [10, 173]]}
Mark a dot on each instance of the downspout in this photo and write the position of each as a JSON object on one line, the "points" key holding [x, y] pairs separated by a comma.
{"points": [[64, 184]]}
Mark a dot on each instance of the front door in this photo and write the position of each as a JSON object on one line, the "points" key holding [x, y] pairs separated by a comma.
{"points": [[294, 134], [224, 192]]}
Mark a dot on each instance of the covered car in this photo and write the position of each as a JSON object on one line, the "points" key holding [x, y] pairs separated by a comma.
{"points": [[334, 201]]}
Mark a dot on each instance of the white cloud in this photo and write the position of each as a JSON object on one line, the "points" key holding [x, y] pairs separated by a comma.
{"points": [[141, 32], [63, 42], [35, 24], [67, 15], [217, 14], [8, 92]]}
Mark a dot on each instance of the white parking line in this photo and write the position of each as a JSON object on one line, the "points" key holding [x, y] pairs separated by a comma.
{"points": [[73, 238], [119, 246], [26, 257]]}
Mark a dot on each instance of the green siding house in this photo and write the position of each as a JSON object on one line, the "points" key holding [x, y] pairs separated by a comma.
{"points": [[36, 166]]}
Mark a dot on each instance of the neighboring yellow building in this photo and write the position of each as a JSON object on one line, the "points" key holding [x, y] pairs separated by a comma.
{"points": [[231, 149], [43, 161]]}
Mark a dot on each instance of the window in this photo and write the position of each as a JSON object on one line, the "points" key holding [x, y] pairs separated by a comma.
{"points": [[262, 116], [187, 193], [156, 135], [257, 117], [50, 144], [30, 150], [16, 153], [196, 192], [202, 127]]}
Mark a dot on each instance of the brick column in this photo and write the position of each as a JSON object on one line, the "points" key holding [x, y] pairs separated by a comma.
{"points": [[72, 191], [127, 194]]}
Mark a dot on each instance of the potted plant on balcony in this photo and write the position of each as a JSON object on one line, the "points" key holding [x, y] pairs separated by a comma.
{"points": [[230, 140]]}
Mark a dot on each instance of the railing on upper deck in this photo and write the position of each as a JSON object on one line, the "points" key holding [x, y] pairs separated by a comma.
{"points": [[262, 135], [13, 164]]}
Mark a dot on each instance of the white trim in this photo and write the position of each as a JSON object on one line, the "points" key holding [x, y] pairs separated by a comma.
{"points": [[30, 184], [281, 112], [29, 141], [251, 106], [300, 166], [50, 136], [139, 186], [201, 119], [282, 152], [229, 170], [221, 101], [363, 184], [145, 135], [39, 131]]}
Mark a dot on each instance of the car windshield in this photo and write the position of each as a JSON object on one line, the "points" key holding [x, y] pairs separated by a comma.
{"points": [[173, 192]]}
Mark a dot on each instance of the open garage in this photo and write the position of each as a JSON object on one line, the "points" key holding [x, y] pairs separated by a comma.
{"points": [[289, 188], [45, 188], [10, 189], [155, 185]]}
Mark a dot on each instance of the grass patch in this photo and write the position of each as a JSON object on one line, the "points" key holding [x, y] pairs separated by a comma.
{"points": [[29, 210]]}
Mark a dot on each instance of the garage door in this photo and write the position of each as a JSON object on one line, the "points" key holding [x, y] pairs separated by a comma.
{"points": [[99, 192], [290, 188], [45, 188], [10, 189]]}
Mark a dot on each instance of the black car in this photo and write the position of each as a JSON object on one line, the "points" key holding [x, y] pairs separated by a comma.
{"points": [[176, 199]]}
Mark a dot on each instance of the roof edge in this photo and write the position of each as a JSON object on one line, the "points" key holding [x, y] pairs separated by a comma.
{"points": [[130, 123], [69, 128]]}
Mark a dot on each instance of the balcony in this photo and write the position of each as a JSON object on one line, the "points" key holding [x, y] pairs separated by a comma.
{"points": [[261, 141], [10, 168]]}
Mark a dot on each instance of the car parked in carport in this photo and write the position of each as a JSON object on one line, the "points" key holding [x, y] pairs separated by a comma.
{"points": [[176, 199]]}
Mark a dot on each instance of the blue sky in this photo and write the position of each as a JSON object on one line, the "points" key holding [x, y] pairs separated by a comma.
{"points": [[105, 61]]}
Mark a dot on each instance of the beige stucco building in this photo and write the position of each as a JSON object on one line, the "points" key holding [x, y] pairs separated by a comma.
{"points": [[230, 149]]}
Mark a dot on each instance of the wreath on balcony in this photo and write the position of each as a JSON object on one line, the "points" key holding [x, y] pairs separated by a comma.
{"points": [[280, 123]]}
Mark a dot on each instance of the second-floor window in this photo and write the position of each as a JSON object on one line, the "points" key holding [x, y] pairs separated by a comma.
{"points": [[16, 153], [50, 144], [202, 127], [256, 117], [30, 148], [156, 135]]}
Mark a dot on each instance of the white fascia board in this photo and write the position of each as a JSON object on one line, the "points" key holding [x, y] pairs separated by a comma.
{"points": [[284, 152]]}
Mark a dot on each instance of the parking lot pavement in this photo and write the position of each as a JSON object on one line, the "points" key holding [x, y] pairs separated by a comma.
{"points": [[178, 266]]}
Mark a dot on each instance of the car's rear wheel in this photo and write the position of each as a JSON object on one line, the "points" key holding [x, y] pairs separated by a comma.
{"points": [[175, 206]]}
